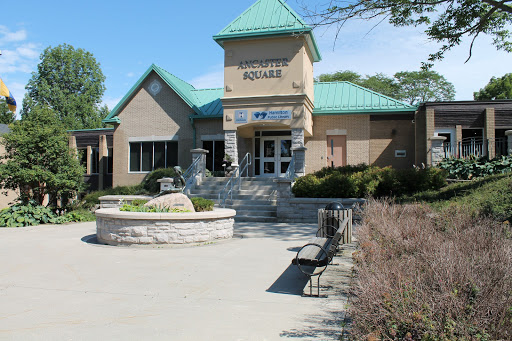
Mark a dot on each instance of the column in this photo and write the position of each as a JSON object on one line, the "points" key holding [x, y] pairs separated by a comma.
{"points": [[231, 146], [458, 140], [201, 165], [72, 145], [102, 159], [297, 137], [436, 149], [489, 133], [430, 128], [300, 160]]}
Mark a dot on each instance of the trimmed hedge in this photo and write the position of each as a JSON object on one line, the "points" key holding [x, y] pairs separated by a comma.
{"points": [[362, 180], [202, 204], [150, 183]]}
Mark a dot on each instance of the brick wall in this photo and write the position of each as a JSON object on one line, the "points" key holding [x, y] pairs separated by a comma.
{"points": [[165, 114], [386, 136], [358, 140]]}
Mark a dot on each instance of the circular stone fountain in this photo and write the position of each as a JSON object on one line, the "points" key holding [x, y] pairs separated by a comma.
{"points": [[116, 227]]}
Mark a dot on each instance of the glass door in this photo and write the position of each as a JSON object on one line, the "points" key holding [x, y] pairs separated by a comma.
{"points": [[275, 155]]}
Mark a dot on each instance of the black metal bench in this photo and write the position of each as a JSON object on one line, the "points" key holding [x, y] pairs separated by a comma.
{"points": [[314, 257]]}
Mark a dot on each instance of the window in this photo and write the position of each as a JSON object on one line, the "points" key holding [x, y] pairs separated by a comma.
{"points": [[147, 156], [110, 161], [95, 164]]}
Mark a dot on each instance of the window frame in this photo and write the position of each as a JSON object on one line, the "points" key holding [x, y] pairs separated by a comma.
{"points": [[140, 143]]}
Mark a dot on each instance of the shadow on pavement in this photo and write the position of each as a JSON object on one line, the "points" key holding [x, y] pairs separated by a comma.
{"points": [[90, 239], [276, 231], [291, 282]]}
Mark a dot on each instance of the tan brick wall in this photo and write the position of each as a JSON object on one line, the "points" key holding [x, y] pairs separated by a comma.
{"points": [[358, 140], [430, 128], [421, 137], [207, 127], [388, 136], [165, 114]]}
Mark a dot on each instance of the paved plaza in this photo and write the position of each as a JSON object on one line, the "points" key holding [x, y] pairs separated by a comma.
{"points": [[55, 284]]}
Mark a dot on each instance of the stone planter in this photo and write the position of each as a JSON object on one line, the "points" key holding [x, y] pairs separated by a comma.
{"points": [[115, 227]]}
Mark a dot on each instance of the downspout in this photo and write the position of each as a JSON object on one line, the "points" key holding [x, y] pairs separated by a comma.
{"points": [[194, 144]]}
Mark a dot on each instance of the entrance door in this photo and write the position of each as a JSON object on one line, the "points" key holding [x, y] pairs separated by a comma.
{"points": [[276, 155], [336, 150]]}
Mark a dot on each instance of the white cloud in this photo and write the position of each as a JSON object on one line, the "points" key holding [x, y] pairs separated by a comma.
{"points": [[130, 74], [30, 51], [7, 36], [210, 80]]}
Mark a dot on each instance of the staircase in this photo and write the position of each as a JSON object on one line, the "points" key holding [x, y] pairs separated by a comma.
{"points": [[256, 200]]}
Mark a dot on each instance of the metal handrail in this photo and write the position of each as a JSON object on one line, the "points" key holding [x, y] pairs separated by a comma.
{"points": [[290, 171], [235, 179], [190, 174]]}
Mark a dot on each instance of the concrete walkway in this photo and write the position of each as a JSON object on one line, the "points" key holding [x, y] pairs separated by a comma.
{"points": [[56, 286]]}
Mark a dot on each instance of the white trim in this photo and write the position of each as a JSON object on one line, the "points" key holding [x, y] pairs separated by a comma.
{"points": [[448, 130], [336, 132], [218, 137], [153, 138]]}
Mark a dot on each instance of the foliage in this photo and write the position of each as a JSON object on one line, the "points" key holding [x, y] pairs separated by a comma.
{"points": [[409, 86], [150, 183], [139, 202], [490, 196], [445, 21], [497, 88], [92, 199], [69, 81], [423, 86], [38, 160], [202, 204], [6, 115], [28, 214], [426, 275], [471, 168], [151, 209], [79, 215], [361, 181]]}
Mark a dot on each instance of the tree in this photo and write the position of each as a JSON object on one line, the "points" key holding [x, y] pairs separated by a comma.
{"points": [[446, 21], [6, 115], [497, 88], [413, 87], [70, 82], [38, 160], [423, 86]]}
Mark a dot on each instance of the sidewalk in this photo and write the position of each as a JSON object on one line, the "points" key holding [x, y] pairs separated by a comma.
{"points": [[55, 286]]}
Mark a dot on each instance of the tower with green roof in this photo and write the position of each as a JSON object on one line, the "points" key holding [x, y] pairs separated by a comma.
{"points": [[269, 53]]}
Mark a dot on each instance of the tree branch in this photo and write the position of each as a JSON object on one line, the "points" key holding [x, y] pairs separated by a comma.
{"points": [[501, 5]]}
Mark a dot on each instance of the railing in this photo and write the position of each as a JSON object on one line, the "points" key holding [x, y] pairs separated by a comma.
{"points": [[290, 171], [474, 147], [235, 180], [191, 173]]}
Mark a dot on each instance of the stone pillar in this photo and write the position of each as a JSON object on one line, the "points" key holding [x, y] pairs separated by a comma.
{"points": [[508, 134], [490, 132], [89, 160], [231, 146], [430, 128], [436, 149], [297, 137], [201, 165], [102, 156], [300, 160]]}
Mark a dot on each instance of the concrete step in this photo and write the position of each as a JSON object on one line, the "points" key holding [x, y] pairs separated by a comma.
{"points": [[235, 196], [204, 191], [254, 209], [256, 213], [259, 219]]}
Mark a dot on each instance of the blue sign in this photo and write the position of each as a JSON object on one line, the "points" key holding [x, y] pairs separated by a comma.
{"points": [[240, 116], [271, 115]]}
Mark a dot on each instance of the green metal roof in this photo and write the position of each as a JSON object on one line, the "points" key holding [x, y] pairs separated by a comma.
{"points": [[268, 18], [335, 98], [203, 102]]}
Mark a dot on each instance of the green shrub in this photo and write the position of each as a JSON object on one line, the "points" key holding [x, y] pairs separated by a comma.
{"points": [[29, 214], [202, 204], [139, 202], [307, 186], [79, 215], [476, 167], [150, 183], [92, 199]]}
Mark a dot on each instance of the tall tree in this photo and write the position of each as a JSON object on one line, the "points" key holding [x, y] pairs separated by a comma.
{"points": [[70, 82], [445, 21], [423, 86], [6, 115], [497, 88], [38, 160]]}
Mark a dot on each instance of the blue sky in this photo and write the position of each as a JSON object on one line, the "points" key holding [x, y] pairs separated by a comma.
{"points": [[126, 37]]}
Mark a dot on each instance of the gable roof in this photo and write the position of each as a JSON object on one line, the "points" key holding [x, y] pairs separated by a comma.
{"points": [[331, 98], [203, 102], [335, 98], [268, 18]]}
